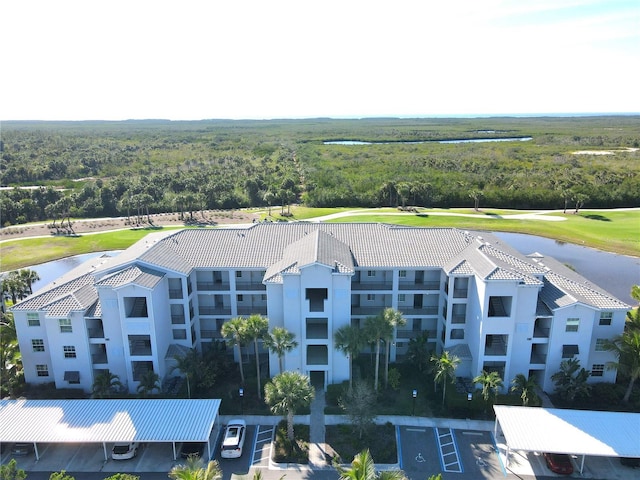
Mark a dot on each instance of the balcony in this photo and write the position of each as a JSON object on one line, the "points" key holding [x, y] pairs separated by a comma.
{"points": [[175, 293], [371, 286], [177, 318], [99, 358], [458, 319], [210, 310], [259, 310], [253, 286], [210, 334], [538, 358], [460, 293], [96, 332], [317, 355], [408, 334], [139, 345], [419, 286], [212, 286], [495, 345], [541, 332], [426, 310], [317, 329], [368, 310]]}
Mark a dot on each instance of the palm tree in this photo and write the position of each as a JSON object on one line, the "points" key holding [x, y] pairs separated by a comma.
{"points": [[286, 393], [255, 327], [195, 469], [571, 380], [29, 277], [376, 330], [280, 341], [149, 382], [417, 353], [444, 370], [491, 383], [363, 468], [234, 332], [394, 319], [626, 348], [349, 340], [527, 388], [10, 359], [104, 384]]}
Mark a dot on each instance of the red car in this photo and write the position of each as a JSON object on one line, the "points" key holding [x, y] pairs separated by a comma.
{"points": [[559, 463]]}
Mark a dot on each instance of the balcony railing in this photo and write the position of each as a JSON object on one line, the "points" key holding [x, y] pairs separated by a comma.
{"points": [[460, 292], [177, 318], [404, 334], [419, 311], [419, 286], [457, 319], [140, 349], [209, 286], [253, 286], [260, 310], [210, 334], [99, 358], [214, 310], [541, 332], [368, 310], [175, 293], [538, 358], [497, 348], [96, 332], [371, 286]]}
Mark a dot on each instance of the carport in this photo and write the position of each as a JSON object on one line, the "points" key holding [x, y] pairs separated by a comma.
{"points": [[574, 432], [108, 421]]}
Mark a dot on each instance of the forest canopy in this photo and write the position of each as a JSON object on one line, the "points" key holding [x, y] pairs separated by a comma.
{"points": [[102, 169]]}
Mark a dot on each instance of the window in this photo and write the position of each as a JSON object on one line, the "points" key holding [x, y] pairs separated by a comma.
{"points": [[600, 343], [371, 273], [240, 298], [371, 297], [33, 319], [401, 297], [597, 370], [572, 325], [180, 334], [238, 274], [457, 334], [69, 351], [605, 318], [569, 351], [65, 325], [403, 274], [37, 344], [42, 370]]}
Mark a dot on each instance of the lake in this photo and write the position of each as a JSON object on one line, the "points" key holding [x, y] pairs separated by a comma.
{"points": [[460, 140], [615, 273]]}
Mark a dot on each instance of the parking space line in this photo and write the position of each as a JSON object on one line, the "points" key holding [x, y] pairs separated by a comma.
{"points": [[264, 436], [449, 456]]}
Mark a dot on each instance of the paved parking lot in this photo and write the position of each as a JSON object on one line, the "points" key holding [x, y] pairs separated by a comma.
{"points": [[423, 451]]}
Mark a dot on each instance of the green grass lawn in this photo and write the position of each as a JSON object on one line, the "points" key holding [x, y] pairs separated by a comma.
{"points": [[613, 231]]}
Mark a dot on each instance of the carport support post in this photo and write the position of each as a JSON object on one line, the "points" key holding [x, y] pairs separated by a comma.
{"points": [[104, 447], [35, 449], [582, 464]]}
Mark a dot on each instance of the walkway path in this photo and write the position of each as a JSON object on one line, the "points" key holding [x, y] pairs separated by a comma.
{"points": [[317, 446]]}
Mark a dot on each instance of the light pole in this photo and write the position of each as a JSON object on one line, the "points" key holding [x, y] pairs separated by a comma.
{"points": [[241, 392], [414, 394], [469, 398]]}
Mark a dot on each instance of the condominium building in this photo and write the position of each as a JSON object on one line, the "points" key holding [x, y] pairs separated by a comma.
{"points": [[468, 293]]}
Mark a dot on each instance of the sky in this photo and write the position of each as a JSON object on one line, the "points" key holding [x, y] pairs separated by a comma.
{"points": [[258, 59]]}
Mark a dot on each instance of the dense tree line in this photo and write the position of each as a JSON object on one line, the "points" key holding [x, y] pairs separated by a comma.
{"points": [[95, 169]]}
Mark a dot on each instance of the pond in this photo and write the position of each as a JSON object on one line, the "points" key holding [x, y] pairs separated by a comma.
{"points": [[612, 272], [460, 140]]}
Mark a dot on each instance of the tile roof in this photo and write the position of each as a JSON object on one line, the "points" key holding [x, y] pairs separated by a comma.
{"points": [[142, 276]]}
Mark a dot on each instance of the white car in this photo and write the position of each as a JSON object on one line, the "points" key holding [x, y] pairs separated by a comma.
{"points": [[233, 439], [124, 451]]}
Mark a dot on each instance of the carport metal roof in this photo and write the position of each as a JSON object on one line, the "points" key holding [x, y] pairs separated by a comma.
{"points": [[576, 432], [141, 420]]}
